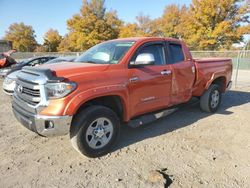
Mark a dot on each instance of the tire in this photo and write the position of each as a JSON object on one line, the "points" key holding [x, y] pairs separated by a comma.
{"points": [[211, 99], [94, 130]]}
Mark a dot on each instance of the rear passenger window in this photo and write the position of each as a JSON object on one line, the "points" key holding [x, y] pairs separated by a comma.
{"points": [[176, 53]]}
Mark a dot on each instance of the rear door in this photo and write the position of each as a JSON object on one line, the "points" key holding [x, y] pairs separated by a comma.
{"points": [[150, 85], [183, 73]]}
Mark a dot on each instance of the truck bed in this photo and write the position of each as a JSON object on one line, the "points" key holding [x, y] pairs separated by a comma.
{"points": [[208, 69]]}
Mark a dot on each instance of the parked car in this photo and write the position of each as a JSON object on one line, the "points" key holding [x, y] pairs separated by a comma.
{"points": [[62, 59], [10, 80], [28, 62], [133, 81], [9, 83]]}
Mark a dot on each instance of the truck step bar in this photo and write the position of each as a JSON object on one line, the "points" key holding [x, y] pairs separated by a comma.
{"points": [[149, 118]]}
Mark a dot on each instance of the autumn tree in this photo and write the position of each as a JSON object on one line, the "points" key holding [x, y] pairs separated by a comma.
{"points": [[91, 26], [144, 24], [128, 30], [172, 22], [22, 37], [216, 24], [40, 48], [143, 27], [64, 45], [52, 39]]}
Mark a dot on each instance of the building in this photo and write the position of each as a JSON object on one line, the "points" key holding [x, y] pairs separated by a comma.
{"points": [[5, 45]]}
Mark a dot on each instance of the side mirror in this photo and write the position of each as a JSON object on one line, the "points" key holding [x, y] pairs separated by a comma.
{"points": [[144, 59]]}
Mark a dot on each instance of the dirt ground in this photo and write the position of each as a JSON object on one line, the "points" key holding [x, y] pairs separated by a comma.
{"points": [[190, 149]]}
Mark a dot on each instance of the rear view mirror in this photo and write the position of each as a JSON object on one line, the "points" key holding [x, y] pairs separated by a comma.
{"points": [[144, 59]]}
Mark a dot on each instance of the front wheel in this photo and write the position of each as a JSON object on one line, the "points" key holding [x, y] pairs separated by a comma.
{"points": [[211, 99], [94, 131]]}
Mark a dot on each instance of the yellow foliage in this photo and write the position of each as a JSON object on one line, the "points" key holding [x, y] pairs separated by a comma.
{"points": [[52, 40], [22, 37]]}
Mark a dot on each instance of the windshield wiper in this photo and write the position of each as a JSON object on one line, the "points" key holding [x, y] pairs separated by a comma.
{"points": [[90, 62]]}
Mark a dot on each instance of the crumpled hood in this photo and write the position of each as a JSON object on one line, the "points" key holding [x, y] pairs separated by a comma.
{"points": [[72, 69]]}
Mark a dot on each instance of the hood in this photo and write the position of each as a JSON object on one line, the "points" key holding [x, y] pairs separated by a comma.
{"points": [[13, 75], [71, 69]]}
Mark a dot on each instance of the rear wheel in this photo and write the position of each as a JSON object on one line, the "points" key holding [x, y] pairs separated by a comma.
{"points": [[94, 131], [211, 99]]}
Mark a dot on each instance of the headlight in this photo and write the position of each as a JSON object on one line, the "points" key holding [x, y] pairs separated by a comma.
{"points": [[8, 81], [4, 70], [59, 90]]}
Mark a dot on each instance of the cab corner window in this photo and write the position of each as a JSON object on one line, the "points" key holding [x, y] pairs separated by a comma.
{"points": [[176, 53]]}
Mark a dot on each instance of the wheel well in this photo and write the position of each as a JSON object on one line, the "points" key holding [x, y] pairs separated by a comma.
{"points": [[112, 102], [221, 81]]}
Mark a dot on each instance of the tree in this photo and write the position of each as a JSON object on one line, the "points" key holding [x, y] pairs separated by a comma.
{"points": [[128, 30], [64, 45], [144, 23], [40, 48], [93, 25], [173, 20], [22, 37], [144, 27], [52, 39], [216, 24]]}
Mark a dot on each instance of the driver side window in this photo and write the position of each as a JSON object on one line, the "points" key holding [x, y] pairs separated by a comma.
{"points": [[34, 62], [157, 50]]}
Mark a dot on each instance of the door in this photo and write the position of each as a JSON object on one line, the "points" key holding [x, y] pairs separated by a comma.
{"points": [[149, 85], [183, 73]]}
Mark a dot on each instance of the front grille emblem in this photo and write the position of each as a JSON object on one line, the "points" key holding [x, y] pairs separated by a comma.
{"points": [[20, 88]]}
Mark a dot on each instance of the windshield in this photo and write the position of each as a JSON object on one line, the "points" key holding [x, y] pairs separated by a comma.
{"points": [[24, 61], [106, 53]]}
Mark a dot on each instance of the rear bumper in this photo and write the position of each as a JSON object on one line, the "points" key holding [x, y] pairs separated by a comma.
{"points": [[43, 125]]}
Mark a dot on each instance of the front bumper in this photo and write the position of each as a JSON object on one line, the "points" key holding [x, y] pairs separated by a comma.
{"points": [[41, 124]]}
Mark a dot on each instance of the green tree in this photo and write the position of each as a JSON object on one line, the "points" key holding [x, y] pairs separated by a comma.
{"points": [[93, 25], [52, 39], [22, 37], [216, 24]]}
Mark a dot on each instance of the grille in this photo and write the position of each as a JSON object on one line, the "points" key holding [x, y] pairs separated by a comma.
{"points": [[28, 91]]}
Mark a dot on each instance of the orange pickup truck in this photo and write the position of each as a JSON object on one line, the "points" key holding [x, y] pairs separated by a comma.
{"points": [[129, 81]]}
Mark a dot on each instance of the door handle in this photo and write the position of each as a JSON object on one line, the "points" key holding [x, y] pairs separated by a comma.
{"points": [[134, 79], [166, 72]]}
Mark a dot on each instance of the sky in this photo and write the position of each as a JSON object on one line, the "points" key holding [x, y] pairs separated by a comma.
{"points": [[45, 14]]}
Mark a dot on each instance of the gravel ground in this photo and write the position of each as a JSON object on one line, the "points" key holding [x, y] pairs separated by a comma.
{"points": [[186, 149]]}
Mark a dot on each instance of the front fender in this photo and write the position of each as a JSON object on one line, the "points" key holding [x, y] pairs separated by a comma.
{"points": [[84, 96]]}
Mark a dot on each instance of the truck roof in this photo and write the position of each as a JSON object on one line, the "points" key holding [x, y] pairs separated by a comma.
{"points": [[147, 38]]}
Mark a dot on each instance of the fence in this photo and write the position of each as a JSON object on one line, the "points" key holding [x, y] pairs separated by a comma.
{"points": [[244, 59]]}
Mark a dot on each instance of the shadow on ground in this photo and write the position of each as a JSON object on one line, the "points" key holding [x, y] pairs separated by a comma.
{"points": [[185, 116]]}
